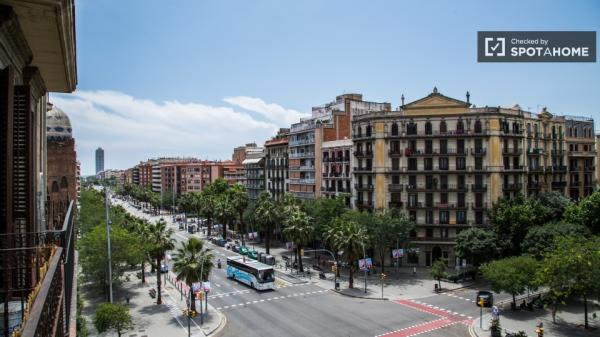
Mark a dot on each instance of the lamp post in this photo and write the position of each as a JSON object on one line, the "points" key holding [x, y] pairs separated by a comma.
{"points": [[110, 290], [335, 260], [365, 260]]}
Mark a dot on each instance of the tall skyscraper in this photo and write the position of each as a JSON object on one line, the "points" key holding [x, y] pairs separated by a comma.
{"points": [[99, 160]]}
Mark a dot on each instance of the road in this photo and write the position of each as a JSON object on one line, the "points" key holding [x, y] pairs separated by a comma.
{"points": [[309, 310]]}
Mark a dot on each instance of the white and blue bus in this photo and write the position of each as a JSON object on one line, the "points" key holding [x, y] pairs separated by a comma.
{"points": [[251, 272]]}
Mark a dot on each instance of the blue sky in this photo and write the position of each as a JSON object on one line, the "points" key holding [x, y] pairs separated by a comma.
{"points": [[261, 64]]}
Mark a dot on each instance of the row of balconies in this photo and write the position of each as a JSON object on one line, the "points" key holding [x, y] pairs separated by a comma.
{"points": [[302, 155], [444, 206], [452, 133], [302, 168], [302, 180], [334, 189], [336, 159], [336, 175], [302, 141], [365, 154]]}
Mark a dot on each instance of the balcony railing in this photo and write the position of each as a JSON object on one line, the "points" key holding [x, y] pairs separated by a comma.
{"points": [[395, 187], [395, 152], [363, 187], [478, 187], [559, 184], [478, 152], [302, 155], [395, 204], [514, 186], [51, 293], [514, 152]]}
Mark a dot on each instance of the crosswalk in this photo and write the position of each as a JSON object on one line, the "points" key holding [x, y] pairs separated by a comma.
{"points": [[460, 297], [266, 300]]}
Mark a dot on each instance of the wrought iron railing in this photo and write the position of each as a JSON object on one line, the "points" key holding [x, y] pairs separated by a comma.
{"points": [[38, 270]]}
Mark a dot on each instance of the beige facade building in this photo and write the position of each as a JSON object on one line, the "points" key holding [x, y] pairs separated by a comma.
{"points": [[445, 162]]}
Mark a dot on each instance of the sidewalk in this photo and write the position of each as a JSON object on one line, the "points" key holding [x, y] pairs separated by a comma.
{"points": [[569, 321], [150, 319], [400, 283]]}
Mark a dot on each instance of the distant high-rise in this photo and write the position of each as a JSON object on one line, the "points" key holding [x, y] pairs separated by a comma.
{"points": [[99, 160]]}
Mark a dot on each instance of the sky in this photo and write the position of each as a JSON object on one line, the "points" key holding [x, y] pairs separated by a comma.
{"points": [[197, 78]]}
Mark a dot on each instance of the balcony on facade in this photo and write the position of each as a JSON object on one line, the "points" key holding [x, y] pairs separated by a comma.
{"points": [[478, 187], [302, 155], [46, 295], [363, 187], [512, 187], [479, 206], [302, 181], [395, 153], [535, 151], [395, 187], [559, 184], [478, 151], [302, 168], [582, 153], [362, 169], [362, 136], [363, 154], [301, 141], [556, 168], [395, 204], [534, 185], [364, 205], [512, 152], [556, 152], [513, 168], [337, 159], [535, 169], [438, 134]]}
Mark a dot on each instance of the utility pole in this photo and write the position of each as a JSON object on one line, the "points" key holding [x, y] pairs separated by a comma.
{"points": [[110, 290]]}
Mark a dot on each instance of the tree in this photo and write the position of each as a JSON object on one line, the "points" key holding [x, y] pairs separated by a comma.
{"points": [[438, 271], [555, 204], [541, 238], [239, 199], [111, 316], [192, 263], [125, 251], [511, 219], [386, 229], [572, 268], [160, 238], [224, 212], [299, 229], [513, 275], [586, 213], [347, 236], [267, 216], [476, 244], [141, 229], [323, 211]]}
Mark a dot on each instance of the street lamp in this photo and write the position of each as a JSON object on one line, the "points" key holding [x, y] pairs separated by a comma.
{"points": [[106, 197], [365, 261]]}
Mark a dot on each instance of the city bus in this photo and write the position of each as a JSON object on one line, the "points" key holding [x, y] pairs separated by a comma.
{"points": [[251, 272]]}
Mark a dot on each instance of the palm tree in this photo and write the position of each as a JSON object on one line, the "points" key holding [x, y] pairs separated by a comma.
{"points": [[192, 262], [267, 215], [347, 236], [239, 199], [224, 211], [160, 237], [185, 203], [299, 229], [142, 230], [204, 203]]}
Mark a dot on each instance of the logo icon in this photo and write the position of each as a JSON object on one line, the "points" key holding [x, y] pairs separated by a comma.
{"points": [[495, 46]]}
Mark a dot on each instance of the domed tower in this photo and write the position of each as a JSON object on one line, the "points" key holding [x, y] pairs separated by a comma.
{"points": [[62, 165]]}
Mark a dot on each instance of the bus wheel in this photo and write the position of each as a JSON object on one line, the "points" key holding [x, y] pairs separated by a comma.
{"points": [[252, 284]]}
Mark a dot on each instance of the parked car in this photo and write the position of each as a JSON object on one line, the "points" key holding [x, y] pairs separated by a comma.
{"points": [[486, 296], [252, 254], [244, 250], [221, 242], [164, 268], [236, 248]]}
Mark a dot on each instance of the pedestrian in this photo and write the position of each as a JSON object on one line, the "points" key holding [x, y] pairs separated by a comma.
{"points": [[127, 298], [414, 271]]}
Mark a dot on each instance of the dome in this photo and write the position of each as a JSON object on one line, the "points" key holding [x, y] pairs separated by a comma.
{"points": [[58, 125]]}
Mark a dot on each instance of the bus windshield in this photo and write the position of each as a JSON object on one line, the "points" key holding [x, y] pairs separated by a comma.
{"points": [[265, 276]]}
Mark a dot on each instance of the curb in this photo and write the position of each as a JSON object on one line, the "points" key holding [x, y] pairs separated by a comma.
{"points": [[453, 289], [362, 297], [220, 327]]}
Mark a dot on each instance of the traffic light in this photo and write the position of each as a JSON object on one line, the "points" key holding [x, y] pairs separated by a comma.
{"points": [[189, 313], [480, 303], [199, 295], [383, 276], [334, 268], [540, 332]]}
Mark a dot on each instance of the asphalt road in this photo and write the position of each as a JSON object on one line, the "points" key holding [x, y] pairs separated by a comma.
{"points": [[309, 310]]}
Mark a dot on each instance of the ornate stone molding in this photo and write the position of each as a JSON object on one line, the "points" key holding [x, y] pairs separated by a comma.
{"points": [[14, 49]]}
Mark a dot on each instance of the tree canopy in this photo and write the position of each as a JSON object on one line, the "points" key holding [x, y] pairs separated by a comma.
{"points": [[476, 244], [513, 275], [111, 316]]}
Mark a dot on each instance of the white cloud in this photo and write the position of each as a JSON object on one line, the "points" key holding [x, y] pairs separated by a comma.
{"points": [[271, 111], [131, 129]]}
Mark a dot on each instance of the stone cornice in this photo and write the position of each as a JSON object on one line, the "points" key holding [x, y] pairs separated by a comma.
{"points": [[31, 76], [14, 49]]}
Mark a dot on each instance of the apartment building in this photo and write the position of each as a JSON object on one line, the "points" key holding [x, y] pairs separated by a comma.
{"points": [[234, 173], [581, 153], [328, 122], [276, 164], [254, 165], [444, 162], [336, 170]]}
